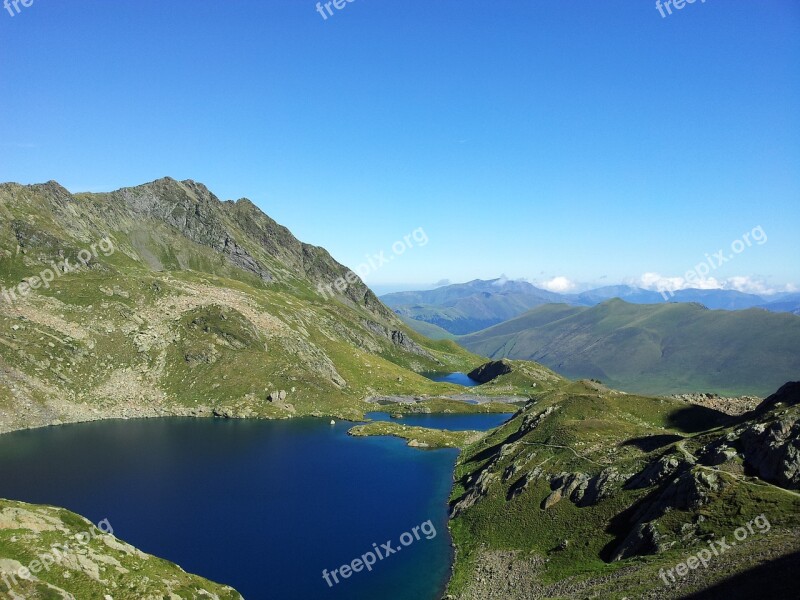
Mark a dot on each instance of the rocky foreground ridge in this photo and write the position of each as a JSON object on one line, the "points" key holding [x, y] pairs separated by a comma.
{"points": [[588, 493], [48, 553]]}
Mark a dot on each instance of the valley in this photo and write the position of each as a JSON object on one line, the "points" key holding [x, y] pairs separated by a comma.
{"points": [[210, 310]]}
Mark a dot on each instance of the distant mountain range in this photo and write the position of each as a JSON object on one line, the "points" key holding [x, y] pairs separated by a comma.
{"points": [[660, 349], [468, 307], [465, 308]]}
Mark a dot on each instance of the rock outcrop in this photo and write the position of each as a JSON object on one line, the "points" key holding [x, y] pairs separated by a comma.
{"points": [[773, 451], [490, 371]]}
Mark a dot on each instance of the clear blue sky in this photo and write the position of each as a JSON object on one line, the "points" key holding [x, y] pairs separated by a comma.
{"points": [[594, 141]]}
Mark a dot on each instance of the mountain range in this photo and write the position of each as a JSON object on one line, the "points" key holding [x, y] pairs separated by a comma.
{"points": [[465, 308], [162, 300], [653, 348]]}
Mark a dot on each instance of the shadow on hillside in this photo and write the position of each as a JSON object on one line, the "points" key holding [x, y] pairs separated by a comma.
{"points": [[489, 452], [694, 419], [621, 525], [772, 580], [648, 443]]}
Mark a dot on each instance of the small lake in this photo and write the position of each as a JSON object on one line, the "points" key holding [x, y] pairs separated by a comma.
{"points": [[457, 378], [263, 506], [453, 422]]}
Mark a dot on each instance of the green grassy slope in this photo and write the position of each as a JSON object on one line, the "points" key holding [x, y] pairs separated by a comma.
{"points": [[66, 556], [429, 330], [203, 307], [656, 349], [589, 493]]}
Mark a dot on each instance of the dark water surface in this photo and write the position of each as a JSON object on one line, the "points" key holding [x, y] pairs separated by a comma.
{"points": [[263, 506], [458, 378]]}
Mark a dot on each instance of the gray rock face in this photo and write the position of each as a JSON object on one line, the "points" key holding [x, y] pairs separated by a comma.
{"points": [[657, 471], [193, 210], [491, 370], [773, 451], [531, 422], [688, 491], [566, 485], [521, 485], [475, 493], [643, 539], [718, 454], [788, 395], [397, 337], [601, 486], [582, 489]]}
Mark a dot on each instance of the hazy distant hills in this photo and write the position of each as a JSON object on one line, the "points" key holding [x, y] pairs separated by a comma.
{"points": [[469, 307], [657, 348], [785, 303], [724, 299]]}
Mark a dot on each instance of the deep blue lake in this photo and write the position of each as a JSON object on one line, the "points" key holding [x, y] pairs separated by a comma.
{"points": [[458, 378], [263, 506]]}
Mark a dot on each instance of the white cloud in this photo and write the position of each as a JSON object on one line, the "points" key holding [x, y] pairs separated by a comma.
{"points": [[740, 283], [559, 284], [501, 281], [752, 285], [655, 281]]}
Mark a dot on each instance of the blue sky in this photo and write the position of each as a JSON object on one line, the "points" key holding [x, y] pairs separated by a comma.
{"points": [[567, 142]]}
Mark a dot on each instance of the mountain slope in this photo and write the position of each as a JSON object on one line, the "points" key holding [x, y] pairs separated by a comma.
{"points": [[69, 557], [468, 307], [591, 493], [656, 349], [186, 305], [786, 303], [714, 298]]}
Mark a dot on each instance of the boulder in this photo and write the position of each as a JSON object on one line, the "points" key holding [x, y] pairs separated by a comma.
{"points": [[278, 396]]}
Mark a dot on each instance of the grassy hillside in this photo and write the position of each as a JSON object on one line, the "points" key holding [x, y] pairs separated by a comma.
{"points": [[466, 308], [590, 493], [63, 555], [187, 305], [429, 330], [654, 349]]}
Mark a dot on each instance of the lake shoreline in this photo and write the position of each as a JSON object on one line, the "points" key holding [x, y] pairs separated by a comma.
{"points": [[123, 413], [437, 501]]}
